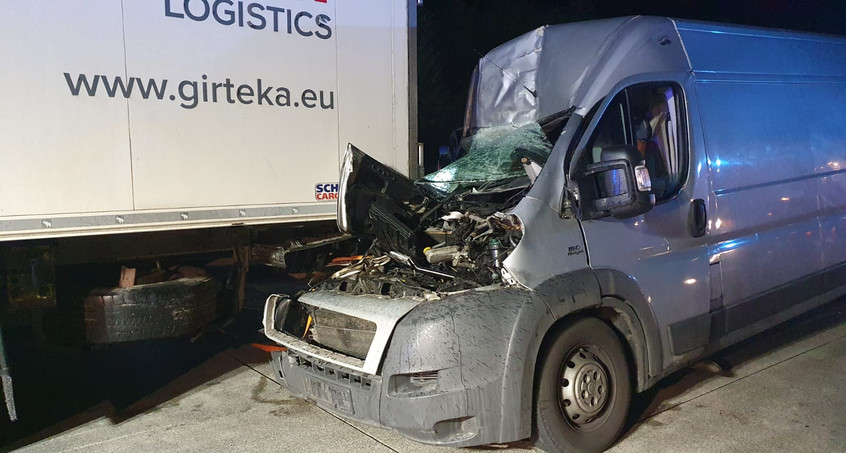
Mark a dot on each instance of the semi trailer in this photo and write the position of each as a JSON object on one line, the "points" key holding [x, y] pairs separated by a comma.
{"points": [[159, 135]]}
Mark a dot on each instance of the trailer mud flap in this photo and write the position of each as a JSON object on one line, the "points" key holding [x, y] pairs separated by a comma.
{"points": [[6, 378]]}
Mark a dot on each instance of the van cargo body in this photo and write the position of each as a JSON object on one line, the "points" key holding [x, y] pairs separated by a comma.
{"points": [[692, 194]]}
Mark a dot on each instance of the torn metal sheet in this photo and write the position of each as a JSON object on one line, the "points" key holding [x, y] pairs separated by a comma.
{"points": [[556, 67], [298, 257], [503, 89]]}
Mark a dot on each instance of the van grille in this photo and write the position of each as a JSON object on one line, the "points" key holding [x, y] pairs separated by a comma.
{"points": [[341, 333], [328, 370]]}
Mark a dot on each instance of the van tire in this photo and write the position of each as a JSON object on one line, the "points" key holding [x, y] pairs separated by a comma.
{"points": [[584, 389], [144, 312]]}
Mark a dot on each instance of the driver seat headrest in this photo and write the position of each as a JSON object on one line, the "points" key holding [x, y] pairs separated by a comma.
{"points": [[643, 131]]}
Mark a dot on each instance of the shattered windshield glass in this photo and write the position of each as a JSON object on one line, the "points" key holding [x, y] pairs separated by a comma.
{"points": [[493, 154]]}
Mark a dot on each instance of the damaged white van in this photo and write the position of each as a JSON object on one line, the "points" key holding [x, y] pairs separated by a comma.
{"points": [[636, 193]]}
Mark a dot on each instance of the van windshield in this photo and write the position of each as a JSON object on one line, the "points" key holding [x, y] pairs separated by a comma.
{"points": [[493, 156]]}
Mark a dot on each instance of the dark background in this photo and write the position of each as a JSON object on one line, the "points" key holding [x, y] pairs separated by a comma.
{"points": [[453, 34]]}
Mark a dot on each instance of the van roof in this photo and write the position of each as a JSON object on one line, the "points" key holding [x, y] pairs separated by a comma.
{"points": [[735, 49], [545, 71]]}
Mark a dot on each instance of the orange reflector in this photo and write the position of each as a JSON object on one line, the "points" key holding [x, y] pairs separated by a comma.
{"points": [[268, 348], [308, 324], [345, 260]]}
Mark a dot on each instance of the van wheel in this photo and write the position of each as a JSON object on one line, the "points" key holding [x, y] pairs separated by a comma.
{"points": [[584, 389], [152, 311]]}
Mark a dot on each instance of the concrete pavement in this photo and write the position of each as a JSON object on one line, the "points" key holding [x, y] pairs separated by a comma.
{"points": [[782, 390]]}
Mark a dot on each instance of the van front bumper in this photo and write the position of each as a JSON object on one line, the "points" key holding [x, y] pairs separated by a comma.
{"points": [[441, 419], [424, 388]]}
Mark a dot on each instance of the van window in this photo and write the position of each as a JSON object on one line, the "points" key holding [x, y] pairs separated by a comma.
{"points": [[648, 117]]}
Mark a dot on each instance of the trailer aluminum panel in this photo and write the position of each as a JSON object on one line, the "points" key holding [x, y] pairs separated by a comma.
{"points": [[139, 115], [59, 155]]}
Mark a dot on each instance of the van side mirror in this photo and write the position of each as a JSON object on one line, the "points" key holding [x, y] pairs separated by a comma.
{"points": [[617, 185]]}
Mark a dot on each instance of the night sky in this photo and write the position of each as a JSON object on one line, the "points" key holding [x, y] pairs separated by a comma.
{"points": [[453, 33]]}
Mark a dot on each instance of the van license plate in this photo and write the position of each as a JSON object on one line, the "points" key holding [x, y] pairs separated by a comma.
{"points": [[333, 395]]}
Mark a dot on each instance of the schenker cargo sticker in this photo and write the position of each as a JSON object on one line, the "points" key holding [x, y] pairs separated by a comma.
{"points": [[326, 191]]}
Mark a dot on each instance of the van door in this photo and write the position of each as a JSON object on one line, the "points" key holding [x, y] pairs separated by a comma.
{"points": [[664, 250]]}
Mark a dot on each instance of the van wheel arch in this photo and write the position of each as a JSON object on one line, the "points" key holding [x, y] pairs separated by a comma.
{"points": [[625, 325], [622, 293], [625, 322]]}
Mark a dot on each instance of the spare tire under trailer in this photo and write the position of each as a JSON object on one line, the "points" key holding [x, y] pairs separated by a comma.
{"points": [[151, 311]]}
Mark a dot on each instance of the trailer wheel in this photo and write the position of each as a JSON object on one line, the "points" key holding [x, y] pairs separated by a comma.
{"points": [[157, 310], [584, 389]]}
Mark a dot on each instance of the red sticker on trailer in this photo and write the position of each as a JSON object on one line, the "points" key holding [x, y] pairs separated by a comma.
{"points": [[326, 191]]}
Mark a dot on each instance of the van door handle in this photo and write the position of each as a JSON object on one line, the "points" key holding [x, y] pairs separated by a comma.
{"points": [[697, 220]]}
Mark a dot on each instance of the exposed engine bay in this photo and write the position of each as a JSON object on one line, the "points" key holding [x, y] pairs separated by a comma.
{"points": [[466, 252], [409, 241], [449, 231]]}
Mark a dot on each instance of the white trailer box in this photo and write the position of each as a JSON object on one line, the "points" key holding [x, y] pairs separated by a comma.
{"points": [[142, 115], [161, 119]]}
